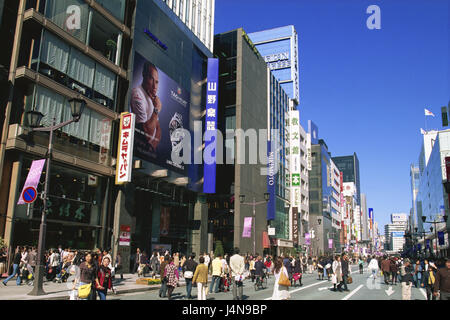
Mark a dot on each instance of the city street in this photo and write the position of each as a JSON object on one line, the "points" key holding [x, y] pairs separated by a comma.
{"points": [[363, 288]]}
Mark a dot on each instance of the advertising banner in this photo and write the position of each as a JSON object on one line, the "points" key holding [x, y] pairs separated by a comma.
{"points": [[398, 234], [295, 225], [125, 236], [124, 164], [428, 243], [33, 178], [441, 238], [308, 239], [247, 233], [295, 166], [161, 107], [164, 224], [330, 243], [271, 181], [209, 184]]}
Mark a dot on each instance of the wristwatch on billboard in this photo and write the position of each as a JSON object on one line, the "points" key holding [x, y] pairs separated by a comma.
{"points": [[176, 136]]}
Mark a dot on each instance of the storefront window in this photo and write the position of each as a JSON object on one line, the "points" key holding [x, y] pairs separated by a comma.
{"points": [[76, 201]]}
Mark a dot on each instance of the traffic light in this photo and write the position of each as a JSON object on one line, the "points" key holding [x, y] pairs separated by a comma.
{"points": [[444, 116]]}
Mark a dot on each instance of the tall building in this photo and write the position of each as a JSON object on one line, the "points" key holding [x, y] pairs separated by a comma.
{"points": [[198, 16], [279, 47], [415, 180], [243, 104], [103, 51], [395, 232], [349, 165], [432, 198]]}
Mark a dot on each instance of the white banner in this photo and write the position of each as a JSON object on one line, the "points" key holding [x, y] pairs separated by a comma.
{"points": [[124, 163]]}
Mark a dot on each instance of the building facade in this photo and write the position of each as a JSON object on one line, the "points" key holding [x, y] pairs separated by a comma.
{"points": [[349, 165], [279, 47], [98, 50]]}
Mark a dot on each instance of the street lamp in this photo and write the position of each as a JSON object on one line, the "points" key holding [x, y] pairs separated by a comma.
{"points": [[34, 120], [254, 204]]}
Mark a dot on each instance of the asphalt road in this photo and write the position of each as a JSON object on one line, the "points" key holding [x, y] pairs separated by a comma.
{"points": [[363, 287]]}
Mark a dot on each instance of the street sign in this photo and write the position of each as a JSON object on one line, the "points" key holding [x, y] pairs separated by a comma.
{"points": [[29, 195]]}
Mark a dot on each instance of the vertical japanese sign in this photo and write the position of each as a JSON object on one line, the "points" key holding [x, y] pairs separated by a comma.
{"points": [[295, 237], [209, 168], [124, 163], [105, 138], [247, 233], [271, 179], [125, 236], [330, 243], [294, 145], [33, 178]]}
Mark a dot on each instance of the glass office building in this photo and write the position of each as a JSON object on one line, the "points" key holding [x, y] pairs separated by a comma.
{"points": [[349, 166]]}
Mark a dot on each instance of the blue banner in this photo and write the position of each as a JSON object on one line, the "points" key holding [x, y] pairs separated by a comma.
{"points": [[271, 183], [419, 247], [212, 98], [428, 244], [441, 238]]}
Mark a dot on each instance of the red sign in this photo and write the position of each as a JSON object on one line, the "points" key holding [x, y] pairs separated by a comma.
{"points": [[29, 195], [124, 228]]}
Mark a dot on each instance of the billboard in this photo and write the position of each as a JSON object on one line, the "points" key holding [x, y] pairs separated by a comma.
{"points": [[399, 217], [209, 185], [125, 149], [161, 106], [398, 234]]}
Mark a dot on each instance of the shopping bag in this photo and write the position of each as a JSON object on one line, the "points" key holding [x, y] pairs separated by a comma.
{"points": [[349, 280], [284, 281], [333, 279], [73, 295], [84, 291]]}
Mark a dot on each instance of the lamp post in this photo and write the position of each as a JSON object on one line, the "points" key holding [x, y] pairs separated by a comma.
{"points": [[254, 204], [424, 219], [34, 118]]}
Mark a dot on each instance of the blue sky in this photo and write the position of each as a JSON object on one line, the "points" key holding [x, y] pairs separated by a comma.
{"points": [[365, 89]]}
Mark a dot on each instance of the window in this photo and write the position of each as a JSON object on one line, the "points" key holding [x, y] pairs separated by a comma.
{"points": [[188, 10], [105, 38], [115, 7], [73, 69], [70, 15], [181, 9]]}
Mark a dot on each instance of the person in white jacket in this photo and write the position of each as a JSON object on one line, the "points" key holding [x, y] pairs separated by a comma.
{"points": [[373, 267], [337, 274]]}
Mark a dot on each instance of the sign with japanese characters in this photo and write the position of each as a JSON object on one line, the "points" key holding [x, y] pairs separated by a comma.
{"points": [[124, 164], [295, 154], [247, 232], [125, 236], [209, 184]]}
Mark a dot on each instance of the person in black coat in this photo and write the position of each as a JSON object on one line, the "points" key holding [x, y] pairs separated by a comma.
{"points": [[297, 273]]}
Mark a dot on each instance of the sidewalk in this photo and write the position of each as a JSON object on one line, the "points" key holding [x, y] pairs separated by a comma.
{"points": [[60, 291]]}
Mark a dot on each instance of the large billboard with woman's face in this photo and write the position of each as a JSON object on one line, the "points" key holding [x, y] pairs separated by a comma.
{"points": [[161, 106]]}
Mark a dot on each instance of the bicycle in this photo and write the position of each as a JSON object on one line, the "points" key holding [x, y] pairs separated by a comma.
{"points": [[261, 282]]}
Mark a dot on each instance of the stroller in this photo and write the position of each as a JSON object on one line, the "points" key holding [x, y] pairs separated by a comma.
{"points": [[26, 275], [64, 274]]}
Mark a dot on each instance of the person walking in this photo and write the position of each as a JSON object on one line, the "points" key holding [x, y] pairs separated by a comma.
{"points": [[189, 268], [361, 265], [442, 283], [346, 271], [216, 273], [118, 265], [88, 275], [320, 268], [137, 260], [171, 273], [386, 268], [418, 274], [407, 273], [162, 276], [237, 267], [154, 264], [201, 278], [337, 274], [394, 271], [373, 268], [16, 267], [297, 273], [3, 258], [54, 263], [280, 291], [429, 279], [104, 278]]}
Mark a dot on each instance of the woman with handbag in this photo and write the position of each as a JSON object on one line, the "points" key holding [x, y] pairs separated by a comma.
{"points": [[201, 279], [171, 272], [337, 274], [88, 280], [104, 278], [282, 283]]}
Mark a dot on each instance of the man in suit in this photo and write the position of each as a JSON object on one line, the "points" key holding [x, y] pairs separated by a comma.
{"points": [[237, 266]]}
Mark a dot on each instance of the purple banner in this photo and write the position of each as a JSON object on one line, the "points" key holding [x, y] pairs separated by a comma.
{"points": [[308, 239], [34, 176], [247, 228], [330, 243]]}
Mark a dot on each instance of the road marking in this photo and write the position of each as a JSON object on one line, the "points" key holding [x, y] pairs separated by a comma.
{"points": [[325, 288], [424, 293], [302, 288], [353, 292]]}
